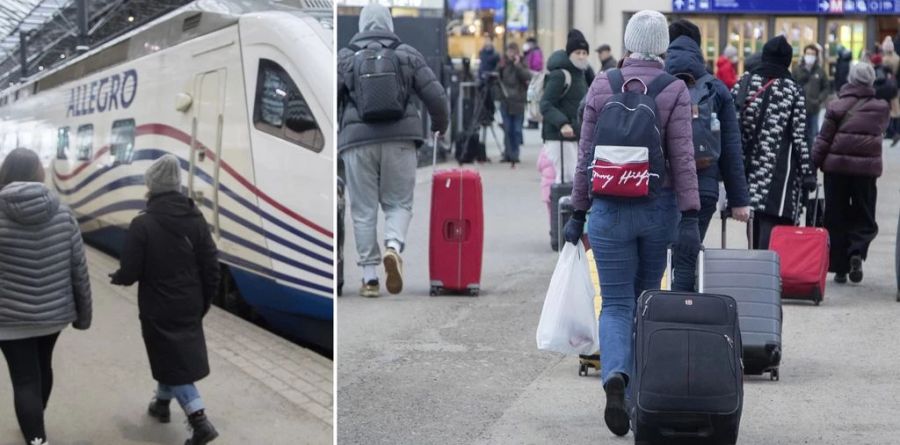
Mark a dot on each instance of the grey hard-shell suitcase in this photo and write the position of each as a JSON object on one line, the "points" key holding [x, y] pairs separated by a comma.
{"points": [[753, 279]]}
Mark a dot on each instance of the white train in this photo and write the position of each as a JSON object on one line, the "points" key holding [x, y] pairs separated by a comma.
{"points": [[243, 94]]}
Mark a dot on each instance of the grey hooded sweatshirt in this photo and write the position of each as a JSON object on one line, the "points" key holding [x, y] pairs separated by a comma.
{"points": [[376, 25], [44, 283]]}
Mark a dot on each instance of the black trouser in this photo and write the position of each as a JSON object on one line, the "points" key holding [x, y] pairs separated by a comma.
{"points": [[763, 224], [849, 217], [29, 361]]}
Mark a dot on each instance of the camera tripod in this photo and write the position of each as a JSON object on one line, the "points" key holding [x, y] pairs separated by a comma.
{"points": [[482, 120]]}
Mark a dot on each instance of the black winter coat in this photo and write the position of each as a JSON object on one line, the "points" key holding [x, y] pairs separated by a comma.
{"points": [[170, 252]]}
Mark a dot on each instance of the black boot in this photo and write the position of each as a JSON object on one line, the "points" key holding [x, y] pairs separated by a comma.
{"points": [[856, 272], [203, 431], [159, 409], [615, 415]]}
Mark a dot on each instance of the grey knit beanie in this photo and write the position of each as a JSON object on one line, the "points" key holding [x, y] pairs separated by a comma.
{"points": [[164, 175], [375, 17], [730, 51], [647, 32], [862, 74]]}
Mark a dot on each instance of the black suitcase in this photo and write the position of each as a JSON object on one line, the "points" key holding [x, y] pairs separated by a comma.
{"points": [[688, 377], [752, 278], [557, 191]]}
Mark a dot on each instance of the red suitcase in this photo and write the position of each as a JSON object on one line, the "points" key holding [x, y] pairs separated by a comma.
{"points": [[804, 261], [457, 232]]}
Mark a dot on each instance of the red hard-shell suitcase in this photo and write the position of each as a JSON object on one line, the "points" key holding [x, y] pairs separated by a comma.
{"points": [[804, 261], [457, 232]]}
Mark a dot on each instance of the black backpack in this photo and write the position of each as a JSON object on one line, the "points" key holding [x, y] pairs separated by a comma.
{"points": [[629, 158], [378, 88], [705, 123]]}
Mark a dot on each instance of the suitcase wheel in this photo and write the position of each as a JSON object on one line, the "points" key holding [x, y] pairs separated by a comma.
{"points": [[816, 295], [435, 291], [474, 292], [774, 375], [582, 370]]}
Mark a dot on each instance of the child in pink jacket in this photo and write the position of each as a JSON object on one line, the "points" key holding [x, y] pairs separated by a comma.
{"points": [[548, 175]]}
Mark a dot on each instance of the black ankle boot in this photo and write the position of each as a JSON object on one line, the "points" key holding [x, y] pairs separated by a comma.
{"points": [[203, 431], [159, 409], [615, 415]]}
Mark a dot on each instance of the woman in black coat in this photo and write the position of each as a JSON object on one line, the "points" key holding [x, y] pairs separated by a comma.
{"points": [[170, 252]]}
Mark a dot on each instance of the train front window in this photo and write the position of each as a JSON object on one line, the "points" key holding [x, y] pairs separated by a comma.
{"points": [[85, 142], [62, 143], [281, 110], [121, 143]]}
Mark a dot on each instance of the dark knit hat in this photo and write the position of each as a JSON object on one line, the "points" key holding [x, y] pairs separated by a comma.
{"points": [[682, 27], [778, 51], [576, 41]]}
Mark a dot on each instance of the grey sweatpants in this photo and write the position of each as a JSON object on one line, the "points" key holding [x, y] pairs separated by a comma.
{"points": [[385, 175]]}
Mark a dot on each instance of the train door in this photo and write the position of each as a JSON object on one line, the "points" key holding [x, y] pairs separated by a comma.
{"points": [[206, 137]]}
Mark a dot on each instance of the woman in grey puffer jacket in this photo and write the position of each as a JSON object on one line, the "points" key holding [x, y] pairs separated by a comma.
{"points": [[44, 285]]}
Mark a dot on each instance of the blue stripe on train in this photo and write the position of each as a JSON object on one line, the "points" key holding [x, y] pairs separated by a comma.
{"points": [[152, 154], [298, 315], [138, 205]]}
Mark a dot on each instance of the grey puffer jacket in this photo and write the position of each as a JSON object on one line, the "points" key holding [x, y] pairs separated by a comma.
{"points": [[43, 272], [419, 80]]}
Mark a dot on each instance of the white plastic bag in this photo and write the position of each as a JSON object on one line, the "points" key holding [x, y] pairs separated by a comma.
{"points": [[568, 324]]}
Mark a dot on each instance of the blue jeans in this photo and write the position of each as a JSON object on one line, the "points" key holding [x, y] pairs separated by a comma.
{"points": [[812, 128], [187, 395], [629, 241], [512, 138]]}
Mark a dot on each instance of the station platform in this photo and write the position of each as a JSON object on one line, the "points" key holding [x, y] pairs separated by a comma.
{"points": [[466, 370], [262, 389]]}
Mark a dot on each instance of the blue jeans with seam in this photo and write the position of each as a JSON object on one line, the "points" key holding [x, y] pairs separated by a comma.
{"points": [[512, 134], [629, 241], [187, 395]]}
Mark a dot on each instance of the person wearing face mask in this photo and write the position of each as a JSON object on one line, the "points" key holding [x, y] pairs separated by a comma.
{"points": [[726, 66], [564, 87], [811, 77]]}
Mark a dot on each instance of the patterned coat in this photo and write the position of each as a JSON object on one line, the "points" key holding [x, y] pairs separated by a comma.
{"points": [[776, 155]]}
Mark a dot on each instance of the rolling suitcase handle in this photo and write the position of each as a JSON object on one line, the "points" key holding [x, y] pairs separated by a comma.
{"points": [[725, 214]]}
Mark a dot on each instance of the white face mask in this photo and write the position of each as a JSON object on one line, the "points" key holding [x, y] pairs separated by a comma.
{"points": [[809, 60], [579, 61]]}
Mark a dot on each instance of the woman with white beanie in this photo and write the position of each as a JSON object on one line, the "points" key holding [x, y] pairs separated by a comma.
{"points": [[848, 150], [629, 237], [169, 251]]}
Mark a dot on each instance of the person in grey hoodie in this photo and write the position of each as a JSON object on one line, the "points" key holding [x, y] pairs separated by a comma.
{"points": [[380, 156], [629, 238], [44, 286]]}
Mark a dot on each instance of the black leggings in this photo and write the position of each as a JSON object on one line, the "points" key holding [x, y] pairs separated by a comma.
{"points": [[29, 361]]}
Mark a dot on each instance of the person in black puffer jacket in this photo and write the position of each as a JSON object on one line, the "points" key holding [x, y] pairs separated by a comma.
{"points": [[380, 156], [170, 252], [44, 285]]}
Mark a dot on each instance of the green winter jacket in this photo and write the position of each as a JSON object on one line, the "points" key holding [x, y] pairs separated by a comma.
{"points": [[559, 109], [815, 86]]}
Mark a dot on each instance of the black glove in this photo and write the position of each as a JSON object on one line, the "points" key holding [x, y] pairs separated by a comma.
{"points": [[687, 247], [575, 227], [810, 183]]}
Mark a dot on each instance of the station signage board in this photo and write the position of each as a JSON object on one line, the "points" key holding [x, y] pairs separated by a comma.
{"points": [[818, 7]]}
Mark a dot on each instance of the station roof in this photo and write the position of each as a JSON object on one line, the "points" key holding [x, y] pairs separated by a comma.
{"points": [[50, 28]]}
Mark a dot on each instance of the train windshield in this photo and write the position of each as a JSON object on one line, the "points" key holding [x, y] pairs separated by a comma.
{"points": [[281, 110]]}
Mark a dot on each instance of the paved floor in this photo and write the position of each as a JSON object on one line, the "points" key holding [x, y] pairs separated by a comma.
{"points": [[262, 389], [414, 369]]}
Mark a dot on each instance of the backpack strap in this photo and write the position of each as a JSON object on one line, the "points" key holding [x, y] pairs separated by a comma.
{"points": [[846, 117], [660, 83], [616, 81]]}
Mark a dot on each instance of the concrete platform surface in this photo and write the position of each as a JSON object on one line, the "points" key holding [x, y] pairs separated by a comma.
{"points": [[414, 369], [262, 389]]}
